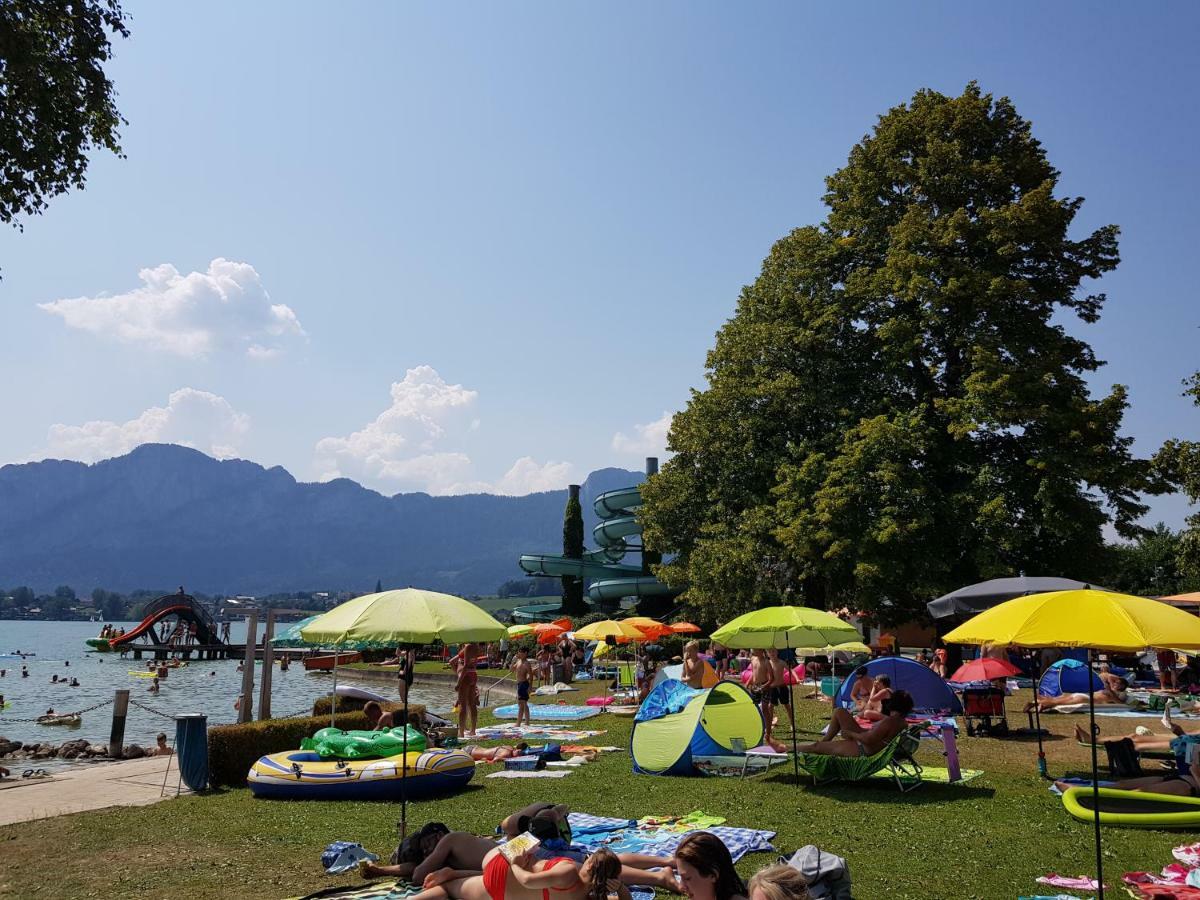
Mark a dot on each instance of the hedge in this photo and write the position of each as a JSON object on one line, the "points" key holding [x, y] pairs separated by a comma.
{"points": [[233, 749]]}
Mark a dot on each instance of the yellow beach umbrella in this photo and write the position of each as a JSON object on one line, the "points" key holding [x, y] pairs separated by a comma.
{"points": [[517, 631], [602, 630], [1095, 620]]}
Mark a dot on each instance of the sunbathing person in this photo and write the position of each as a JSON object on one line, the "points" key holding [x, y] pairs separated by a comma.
{"points": [[778, 882], [519, 821], [1142, 740], [528, 878], [493, 754], [1115, 691], [845, 737], [1167, 783], [860, 690], [873, 709], [436, 855]]}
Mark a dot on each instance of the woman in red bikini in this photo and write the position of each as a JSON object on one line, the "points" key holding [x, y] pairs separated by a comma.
{"points": [[467, 689], [526, 878]]}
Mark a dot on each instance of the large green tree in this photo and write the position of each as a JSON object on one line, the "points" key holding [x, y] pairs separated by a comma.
{"points": [[897, 407], [572, 587], [1179, 462], [56, 103]]}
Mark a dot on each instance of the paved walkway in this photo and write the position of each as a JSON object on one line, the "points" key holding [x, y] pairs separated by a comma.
{"points": [[134, 782]]}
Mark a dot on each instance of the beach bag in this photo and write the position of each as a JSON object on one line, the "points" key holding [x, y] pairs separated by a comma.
{"points": [[827, 875], [1123, 759], [341, 856]]}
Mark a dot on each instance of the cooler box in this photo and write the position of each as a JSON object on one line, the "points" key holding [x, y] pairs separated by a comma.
{"points": [[831, 685]]}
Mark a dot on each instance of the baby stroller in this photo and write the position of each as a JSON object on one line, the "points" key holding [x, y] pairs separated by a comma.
{"points": [[983, 708]]}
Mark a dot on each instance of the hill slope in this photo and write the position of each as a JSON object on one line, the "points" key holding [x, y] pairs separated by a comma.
{"points": [[164, 515]]}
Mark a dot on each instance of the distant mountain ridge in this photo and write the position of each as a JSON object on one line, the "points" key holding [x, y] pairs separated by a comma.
{"points": [[164, 515]]}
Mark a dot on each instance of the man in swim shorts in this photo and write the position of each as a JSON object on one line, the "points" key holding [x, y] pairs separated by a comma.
{"points": [[523, 672], [845, 737]]}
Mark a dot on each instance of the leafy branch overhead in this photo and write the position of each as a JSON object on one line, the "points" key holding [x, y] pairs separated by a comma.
{"points": [[896, 408], [56, 103]]}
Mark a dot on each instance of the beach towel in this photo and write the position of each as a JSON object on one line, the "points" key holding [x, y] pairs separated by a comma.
{"points": [[557, 733], [398, 890], [623, 835], [549, 711], [1074, 882], [521, 773], [935, 775], [556, 688], [1112, 711]]}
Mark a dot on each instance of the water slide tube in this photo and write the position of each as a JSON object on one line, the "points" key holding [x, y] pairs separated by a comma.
{"points": [[181, 605], [610, 580]]}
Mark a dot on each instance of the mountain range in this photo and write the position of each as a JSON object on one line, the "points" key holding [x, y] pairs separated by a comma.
{"points": [[165, 515]]}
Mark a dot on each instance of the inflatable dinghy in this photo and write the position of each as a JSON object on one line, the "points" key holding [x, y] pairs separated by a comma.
{"points": [[1134, 809], [303, 775]]}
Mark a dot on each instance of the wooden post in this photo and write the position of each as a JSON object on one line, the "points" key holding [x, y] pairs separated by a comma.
{"points": [[116, 737], [264, 696], [246, 709]]}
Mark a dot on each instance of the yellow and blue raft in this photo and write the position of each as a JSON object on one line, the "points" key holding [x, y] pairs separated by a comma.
{"points": [[304, 775]]}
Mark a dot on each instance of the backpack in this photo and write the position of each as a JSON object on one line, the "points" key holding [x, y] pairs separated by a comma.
{"points": [[827, 875], [1123, 761]]}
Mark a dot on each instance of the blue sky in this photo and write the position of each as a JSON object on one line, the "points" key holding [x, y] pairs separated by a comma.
{"points": [[498, 238]]}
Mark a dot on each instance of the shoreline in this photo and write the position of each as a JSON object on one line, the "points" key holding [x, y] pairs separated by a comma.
{"points": [[506, 689]]}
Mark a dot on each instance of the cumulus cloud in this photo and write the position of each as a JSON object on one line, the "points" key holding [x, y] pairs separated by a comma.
{"points": [[192, 418], [411, 445], [225, 309], [649, 439]]}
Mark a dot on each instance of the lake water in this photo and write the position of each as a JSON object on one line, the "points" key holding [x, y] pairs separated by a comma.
{"points": [[205, 686]]}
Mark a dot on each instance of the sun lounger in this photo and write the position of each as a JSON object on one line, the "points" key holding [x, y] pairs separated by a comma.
{"points": [[896, 757]]}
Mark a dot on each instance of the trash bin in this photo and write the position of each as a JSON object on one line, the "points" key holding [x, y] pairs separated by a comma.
{"points": [[191, 749]]}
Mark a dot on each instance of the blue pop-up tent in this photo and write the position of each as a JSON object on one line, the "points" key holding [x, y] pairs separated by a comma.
{"points": [[1068, 676], [676, 723], [929, 690]]}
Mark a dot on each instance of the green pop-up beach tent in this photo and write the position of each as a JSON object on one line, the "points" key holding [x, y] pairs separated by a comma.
{"points": [[676, 723]]}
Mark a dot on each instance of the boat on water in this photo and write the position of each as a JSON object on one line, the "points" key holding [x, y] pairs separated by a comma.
{"points": [[326, 663], [71, 720]]}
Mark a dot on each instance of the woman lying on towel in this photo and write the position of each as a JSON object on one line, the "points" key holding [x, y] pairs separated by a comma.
{"points": [[1143, 739], [1114, 692], [1167, 783], [435, 856], [845, 737], [529, 878]]}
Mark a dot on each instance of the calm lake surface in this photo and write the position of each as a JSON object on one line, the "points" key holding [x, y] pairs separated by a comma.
{"points": [[205, 686]]}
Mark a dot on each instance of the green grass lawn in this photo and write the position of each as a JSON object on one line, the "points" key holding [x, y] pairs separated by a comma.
{"points": [[988, 839]]}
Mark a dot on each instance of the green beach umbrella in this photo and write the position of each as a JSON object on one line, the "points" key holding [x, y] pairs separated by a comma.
{"points": [[406, 616], [786, 628], [291, 637]]}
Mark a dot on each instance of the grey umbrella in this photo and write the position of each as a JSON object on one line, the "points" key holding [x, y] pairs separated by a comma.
{"points": [[975, 598]]}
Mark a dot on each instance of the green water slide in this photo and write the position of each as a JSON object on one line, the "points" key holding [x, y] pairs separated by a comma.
{"points": [[610, 579]]}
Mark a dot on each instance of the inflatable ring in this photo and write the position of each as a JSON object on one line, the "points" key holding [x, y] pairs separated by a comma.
{"points": [[1134, 809]]}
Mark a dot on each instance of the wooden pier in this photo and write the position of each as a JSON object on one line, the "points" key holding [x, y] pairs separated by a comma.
{"points": [[203, 651]]}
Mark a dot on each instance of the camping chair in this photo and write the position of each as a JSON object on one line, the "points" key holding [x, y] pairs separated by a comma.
{"points": [[983, 708], [626, 676], [897, 757]]}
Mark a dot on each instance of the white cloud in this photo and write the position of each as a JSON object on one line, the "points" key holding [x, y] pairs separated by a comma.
{"points": [[649, 439], [192, 418], [413, 445], [224, 309]]}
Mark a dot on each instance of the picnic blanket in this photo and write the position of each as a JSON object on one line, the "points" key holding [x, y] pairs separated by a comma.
{"points": [[525, 773], [556, 688], [1116, 712], [935, 775], [561, 712], [627, 836], [553, 733], [398, 890]]}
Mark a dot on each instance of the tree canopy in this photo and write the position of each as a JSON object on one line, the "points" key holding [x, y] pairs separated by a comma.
{"points": [[56, 105], [1179, 463], [896, 408]]}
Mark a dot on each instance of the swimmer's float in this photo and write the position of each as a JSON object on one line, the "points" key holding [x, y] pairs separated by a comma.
{"points": [[334, 743], [69, 719], [100, 645], [1134, 809], [303, 775]]}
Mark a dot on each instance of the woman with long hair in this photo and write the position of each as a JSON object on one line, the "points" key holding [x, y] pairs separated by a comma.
{"points": [[705, 869], [527, 878]]}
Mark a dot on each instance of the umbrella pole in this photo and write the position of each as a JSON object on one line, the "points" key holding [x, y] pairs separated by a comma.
{"points": [[404, 768], [792, 716], [1037, 718], [1095, 781], [333, 696]]}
